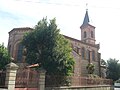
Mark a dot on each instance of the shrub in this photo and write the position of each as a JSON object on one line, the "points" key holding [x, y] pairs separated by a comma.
{"points": [[117, 81], [90, 67]]}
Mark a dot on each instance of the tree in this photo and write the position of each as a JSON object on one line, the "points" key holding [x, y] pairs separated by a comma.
{"points": [[113, 69], [4, 56], [103, 62], [45, 46]]}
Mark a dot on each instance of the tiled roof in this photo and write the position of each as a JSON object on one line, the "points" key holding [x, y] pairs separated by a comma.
{"points": [[79, 41]]}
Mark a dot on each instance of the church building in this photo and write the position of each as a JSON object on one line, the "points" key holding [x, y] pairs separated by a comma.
{"points": [[85, 51]]}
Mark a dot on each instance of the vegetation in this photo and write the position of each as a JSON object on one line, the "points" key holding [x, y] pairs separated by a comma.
{"points": [[113, 69], [117, 81], [90, 67], [4, 56], [103, 62], [49, 49], [93, 76]]}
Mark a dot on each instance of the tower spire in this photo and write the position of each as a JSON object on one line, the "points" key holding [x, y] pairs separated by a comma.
{"points": [[86, 19]]}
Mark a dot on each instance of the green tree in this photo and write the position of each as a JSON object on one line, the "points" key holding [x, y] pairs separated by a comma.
{"points": [[4, 56], [113, 69], [45, 46], [103, 62]]}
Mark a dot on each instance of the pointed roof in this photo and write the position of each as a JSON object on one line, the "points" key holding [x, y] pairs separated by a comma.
{"points": [[86, 19]]}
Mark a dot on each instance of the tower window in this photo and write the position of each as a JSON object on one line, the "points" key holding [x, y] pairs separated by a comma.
{"points": [[91, 34], [85, 34]]}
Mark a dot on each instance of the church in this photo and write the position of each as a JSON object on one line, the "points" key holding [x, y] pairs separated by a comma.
{"points": [[85, 51]]}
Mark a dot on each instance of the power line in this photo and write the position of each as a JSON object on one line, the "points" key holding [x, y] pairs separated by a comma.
{"points": [[64, 4]]}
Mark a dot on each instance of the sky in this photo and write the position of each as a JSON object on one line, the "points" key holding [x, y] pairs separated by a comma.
{"points": [[69, 14]]}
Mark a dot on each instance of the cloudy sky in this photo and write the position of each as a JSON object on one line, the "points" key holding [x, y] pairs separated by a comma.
{"points": [[104, 15]]}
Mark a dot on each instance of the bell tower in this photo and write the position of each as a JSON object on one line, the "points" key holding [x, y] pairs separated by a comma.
{"points": [[87, 31]]}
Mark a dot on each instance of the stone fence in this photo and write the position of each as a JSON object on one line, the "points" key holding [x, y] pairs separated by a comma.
{"points": [[11, 71]]}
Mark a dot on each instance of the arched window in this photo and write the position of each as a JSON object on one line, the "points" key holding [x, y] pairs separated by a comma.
{"points": [[85, 34], [88, 55], [91, 34], [19, 52], [9, 49], [78, 50], [93, 55], [83, 53]]}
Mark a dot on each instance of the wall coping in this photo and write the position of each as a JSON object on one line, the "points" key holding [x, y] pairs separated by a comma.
{"points": [[12, 65], [91, 86], [3, 89]]}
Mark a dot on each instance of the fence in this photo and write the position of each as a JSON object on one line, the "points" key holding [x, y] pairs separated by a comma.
{"points": [[2, 78], [54, 81], [30, 78], [21, 79], [85, 81], [27, 78], [75, 81]]}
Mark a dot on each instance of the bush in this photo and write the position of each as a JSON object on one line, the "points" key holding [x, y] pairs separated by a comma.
{"points": [[117, 81], [90, 67]]}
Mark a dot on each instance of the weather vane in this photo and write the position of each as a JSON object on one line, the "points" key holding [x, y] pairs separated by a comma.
{"points": [[86, 6]]}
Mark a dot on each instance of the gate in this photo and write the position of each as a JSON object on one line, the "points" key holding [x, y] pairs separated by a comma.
{"points": [[2, 78], [27, 78]]}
